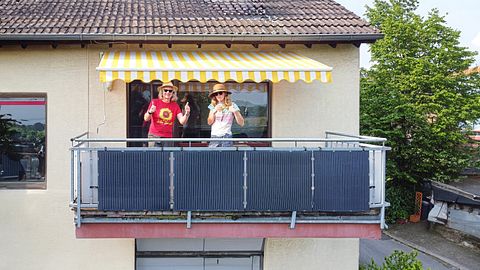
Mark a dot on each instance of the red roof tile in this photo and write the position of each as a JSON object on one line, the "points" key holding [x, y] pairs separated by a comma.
{"points": [[173, 17]]}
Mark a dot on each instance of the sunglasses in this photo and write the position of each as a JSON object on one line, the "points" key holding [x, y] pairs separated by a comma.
{"points": [[218, 93], [167, 91]]}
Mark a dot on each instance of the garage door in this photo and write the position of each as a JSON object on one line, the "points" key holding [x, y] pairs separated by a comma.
{"points": [[199, 254]]}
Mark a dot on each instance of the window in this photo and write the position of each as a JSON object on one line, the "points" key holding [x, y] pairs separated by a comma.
{"points": [[22, 141], [252, 99], [139, 96]]}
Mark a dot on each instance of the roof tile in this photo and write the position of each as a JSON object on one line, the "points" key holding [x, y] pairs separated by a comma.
{"points": [[204, 17]]}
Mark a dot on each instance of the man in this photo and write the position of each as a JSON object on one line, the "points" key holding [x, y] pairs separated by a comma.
{"points": [[162, 113]]}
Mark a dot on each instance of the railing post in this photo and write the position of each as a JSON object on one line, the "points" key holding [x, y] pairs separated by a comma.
{"points": [[79, 189], [293, 220], [189, 219], [374, 167], [384, 164], [72, 176], [245, 179], [172, 174], [91, 175], [313, 180]]}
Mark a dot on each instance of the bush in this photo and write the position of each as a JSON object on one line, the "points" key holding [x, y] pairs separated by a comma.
{"points": [[398, 260], [402, 203]]}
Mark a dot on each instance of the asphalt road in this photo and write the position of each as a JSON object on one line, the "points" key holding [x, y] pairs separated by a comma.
{"points": [[379, 249]]}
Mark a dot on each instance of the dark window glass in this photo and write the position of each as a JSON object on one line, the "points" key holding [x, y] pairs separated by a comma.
{"points": [[252, 99], [139, 96], [22, 139]]}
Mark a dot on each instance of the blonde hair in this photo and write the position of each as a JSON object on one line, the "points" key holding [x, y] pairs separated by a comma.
{"points": [[174, 94], [227, 102]]}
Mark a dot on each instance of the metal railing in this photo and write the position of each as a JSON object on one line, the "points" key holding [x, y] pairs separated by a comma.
{"points": [[98, 159]]}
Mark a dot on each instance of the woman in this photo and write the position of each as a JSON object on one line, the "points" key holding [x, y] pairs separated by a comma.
{"points": [[162, 113], [222, 112]]}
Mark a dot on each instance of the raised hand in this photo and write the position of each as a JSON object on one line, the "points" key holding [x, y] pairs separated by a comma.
{"points": [[219, 107], [187, 108], [152, 109], [232, 109]]}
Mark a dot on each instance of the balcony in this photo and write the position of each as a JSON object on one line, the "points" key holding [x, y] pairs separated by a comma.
{"points": [[296, 183]]}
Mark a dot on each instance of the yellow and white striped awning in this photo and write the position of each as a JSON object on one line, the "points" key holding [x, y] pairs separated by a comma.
{"points": [[204, 66]]}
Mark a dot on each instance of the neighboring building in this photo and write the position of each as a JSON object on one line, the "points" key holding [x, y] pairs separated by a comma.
{"points": [[476, 135], [457, 205], [473, 70], [476, 126], [86, 69]]}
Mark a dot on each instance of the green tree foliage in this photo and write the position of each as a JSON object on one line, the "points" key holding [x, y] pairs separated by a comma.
{"points": [[417, 95], [401, 201], [7, 131], [398, 260]]}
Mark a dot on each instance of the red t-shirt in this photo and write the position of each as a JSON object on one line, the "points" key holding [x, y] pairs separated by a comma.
{"points": [[163, 118]]}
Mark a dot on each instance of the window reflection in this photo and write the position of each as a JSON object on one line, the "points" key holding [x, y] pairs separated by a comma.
{"points": [[22, 139]]}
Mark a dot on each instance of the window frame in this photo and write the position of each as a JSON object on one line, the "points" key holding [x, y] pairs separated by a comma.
{"points": [[32, 185]]}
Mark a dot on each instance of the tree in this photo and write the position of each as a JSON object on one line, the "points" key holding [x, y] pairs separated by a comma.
{"points": [[7, 131], [417, 95]]}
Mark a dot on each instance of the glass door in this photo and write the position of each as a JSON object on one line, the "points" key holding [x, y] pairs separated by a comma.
{"points": [[139, 96]]}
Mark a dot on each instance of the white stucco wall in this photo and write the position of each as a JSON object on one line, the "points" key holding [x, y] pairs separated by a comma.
{"points": [[37, 228], [311, 254], [309, 109]]}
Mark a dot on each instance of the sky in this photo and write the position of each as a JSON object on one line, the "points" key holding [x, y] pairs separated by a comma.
{"points": [[462, 15]]}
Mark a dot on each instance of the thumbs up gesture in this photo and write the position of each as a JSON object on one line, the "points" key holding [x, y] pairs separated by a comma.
{"points": [[187, 108], [152, 109]]}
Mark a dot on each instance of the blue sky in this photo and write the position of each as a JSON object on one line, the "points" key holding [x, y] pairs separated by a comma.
{"points": [[461, 15]]}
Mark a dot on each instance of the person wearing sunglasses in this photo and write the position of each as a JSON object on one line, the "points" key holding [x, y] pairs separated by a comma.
{"points": [[221, 115], [162, 112]]}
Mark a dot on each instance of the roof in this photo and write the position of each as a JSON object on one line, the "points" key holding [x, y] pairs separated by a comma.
{"points": [[473, 70], [157, 19]]}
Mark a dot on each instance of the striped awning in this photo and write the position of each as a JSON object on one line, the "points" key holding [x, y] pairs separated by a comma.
{"points": [[204, 66]]}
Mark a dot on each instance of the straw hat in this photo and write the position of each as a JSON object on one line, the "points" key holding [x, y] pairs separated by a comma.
{"points": [[168, 85], [219, 87]]}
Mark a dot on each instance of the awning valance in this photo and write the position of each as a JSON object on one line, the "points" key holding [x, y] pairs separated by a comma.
{"points": [[204, 66]]}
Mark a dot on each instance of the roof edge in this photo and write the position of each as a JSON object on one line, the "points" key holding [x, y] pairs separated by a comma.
{"points": [[267, 38]]}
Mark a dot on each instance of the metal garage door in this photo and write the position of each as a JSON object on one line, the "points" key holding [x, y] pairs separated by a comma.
{"points": [[199, 254]]}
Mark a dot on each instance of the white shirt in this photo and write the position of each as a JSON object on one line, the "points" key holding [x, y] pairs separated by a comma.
{"points": [[223, 121]]}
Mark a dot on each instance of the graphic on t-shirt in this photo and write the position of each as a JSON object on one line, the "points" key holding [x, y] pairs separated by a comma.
{"points": [[165, 116]]}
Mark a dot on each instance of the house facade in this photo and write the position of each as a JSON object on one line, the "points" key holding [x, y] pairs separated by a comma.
{"points": [[79, 190]]}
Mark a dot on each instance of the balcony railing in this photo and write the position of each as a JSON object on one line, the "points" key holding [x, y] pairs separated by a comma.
{"points": [[339, 178]]}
